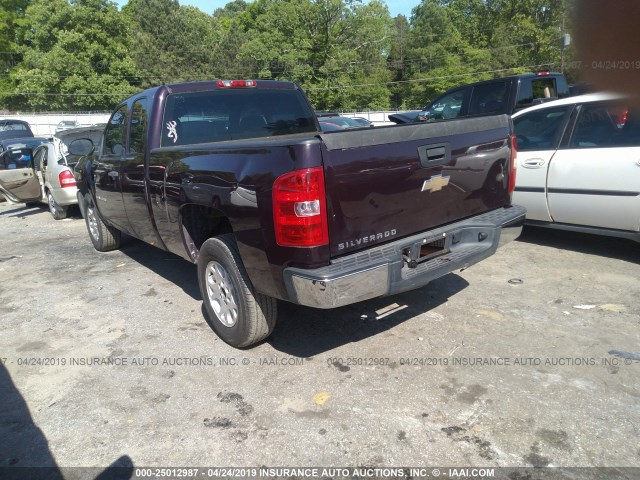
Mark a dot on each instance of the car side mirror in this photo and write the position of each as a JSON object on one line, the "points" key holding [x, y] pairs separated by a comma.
{"points": [[81, 147]]}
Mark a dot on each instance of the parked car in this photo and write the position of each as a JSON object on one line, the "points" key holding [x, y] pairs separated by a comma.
{"points": [[579, 164], [343, 123], [362, 121], [235, 176], [491, 97], [10, 128], [53, 168], [66, 125], [56, 178], [22, 142], [327, 126]]}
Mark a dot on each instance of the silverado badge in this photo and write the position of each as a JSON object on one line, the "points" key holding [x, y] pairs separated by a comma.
{"points": [[435, 183]]}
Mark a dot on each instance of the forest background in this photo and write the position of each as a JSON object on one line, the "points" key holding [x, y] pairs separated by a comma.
{"points": [[348, 55]]}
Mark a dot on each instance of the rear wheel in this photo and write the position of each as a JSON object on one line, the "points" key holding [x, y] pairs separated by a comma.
{"points": [[239, 315], [103, 237], [57, 212]]}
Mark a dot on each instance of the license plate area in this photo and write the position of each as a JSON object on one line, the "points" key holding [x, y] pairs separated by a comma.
{"points": [[425, 250]]}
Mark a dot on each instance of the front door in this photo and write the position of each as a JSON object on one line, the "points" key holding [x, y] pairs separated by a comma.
{"points": [[539, 134], [18, 179]]}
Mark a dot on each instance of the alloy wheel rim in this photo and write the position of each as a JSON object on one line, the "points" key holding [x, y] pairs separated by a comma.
{"points": [[52, 203], [93, 222], [222, 294]]}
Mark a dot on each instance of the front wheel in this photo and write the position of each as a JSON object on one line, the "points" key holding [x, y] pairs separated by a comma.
{"points": [[57, 212], [239, 315], [103, 237]]}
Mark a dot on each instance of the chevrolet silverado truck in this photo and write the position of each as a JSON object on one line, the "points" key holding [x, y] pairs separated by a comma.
{"points": [[238, 178]]}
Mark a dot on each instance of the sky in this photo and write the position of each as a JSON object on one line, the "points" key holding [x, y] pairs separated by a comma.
{"points": [[396, 7]]}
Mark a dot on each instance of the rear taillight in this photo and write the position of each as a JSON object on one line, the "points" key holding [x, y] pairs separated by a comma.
{"points": [[300, 209], [512, 166], [67, 179]]}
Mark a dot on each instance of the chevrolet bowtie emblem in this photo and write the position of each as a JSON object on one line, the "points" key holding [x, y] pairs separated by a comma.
{"points": [[435, 183]]}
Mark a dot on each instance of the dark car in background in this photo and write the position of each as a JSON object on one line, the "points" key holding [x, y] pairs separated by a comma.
{"points": [[10, 128], [504, 95], [330, 122], [22, 142]]}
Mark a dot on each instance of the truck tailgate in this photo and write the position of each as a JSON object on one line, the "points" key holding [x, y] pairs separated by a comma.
{"points": [[386, 183]]}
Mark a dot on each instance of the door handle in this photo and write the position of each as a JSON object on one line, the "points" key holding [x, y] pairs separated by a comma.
{"points": [[534, 163], [638, 163]]}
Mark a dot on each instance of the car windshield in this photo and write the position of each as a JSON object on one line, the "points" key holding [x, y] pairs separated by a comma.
{"points": [[9, 125]]}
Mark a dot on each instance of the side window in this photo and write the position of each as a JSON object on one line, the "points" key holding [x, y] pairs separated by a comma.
{"points": [[114, 133], [605, 125], [446, 107], [541, 129], [138, 127], [16, 158], [489, 98]]}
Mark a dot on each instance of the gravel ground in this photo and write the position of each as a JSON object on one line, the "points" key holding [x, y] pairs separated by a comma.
{"points": [[530, 358]]}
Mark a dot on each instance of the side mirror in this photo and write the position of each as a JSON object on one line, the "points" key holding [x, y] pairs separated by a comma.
{"points": [[81, 147]]}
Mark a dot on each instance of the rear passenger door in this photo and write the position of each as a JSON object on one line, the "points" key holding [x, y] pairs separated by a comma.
{"points": [[595, 179], [489, 99]]}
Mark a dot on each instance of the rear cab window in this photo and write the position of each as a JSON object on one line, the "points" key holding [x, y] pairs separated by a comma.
{"points": [[234, 114]]}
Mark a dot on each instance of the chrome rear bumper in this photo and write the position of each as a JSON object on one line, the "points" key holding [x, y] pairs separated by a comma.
{"points": [[385, 270]]}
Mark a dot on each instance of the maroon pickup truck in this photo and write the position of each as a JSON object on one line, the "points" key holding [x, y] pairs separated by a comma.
{"points": [[237, 177]]}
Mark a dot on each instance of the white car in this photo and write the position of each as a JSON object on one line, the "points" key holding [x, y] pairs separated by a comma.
{"points": [[44, 172], [578, 164]]}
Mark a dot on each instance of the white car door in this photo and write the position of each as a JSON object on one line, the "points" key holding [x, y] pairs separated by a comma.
{"points": [[595, 180], [539, 132], [18, 180]]}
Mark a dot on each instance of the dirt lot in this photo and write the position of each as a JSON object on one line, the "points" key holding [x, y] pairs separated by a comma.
{"points": [[529, 358]]}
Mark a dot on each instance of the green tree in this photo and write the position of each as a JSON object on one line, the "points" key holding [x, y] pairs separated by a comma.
{"points": [[171, 43], [75, 56], [336, 49], [11, 37]]}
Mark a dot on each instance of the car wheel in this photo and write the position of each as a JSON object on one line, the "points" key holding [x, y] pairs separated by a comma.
{"points": [[56, 210], [239, 315], [103, 237]]}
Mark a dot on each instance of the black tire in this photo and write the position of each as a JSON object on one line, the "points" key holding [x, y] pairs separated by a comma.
{"points": [[57, 212], [239, 315], [103, 237]]}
